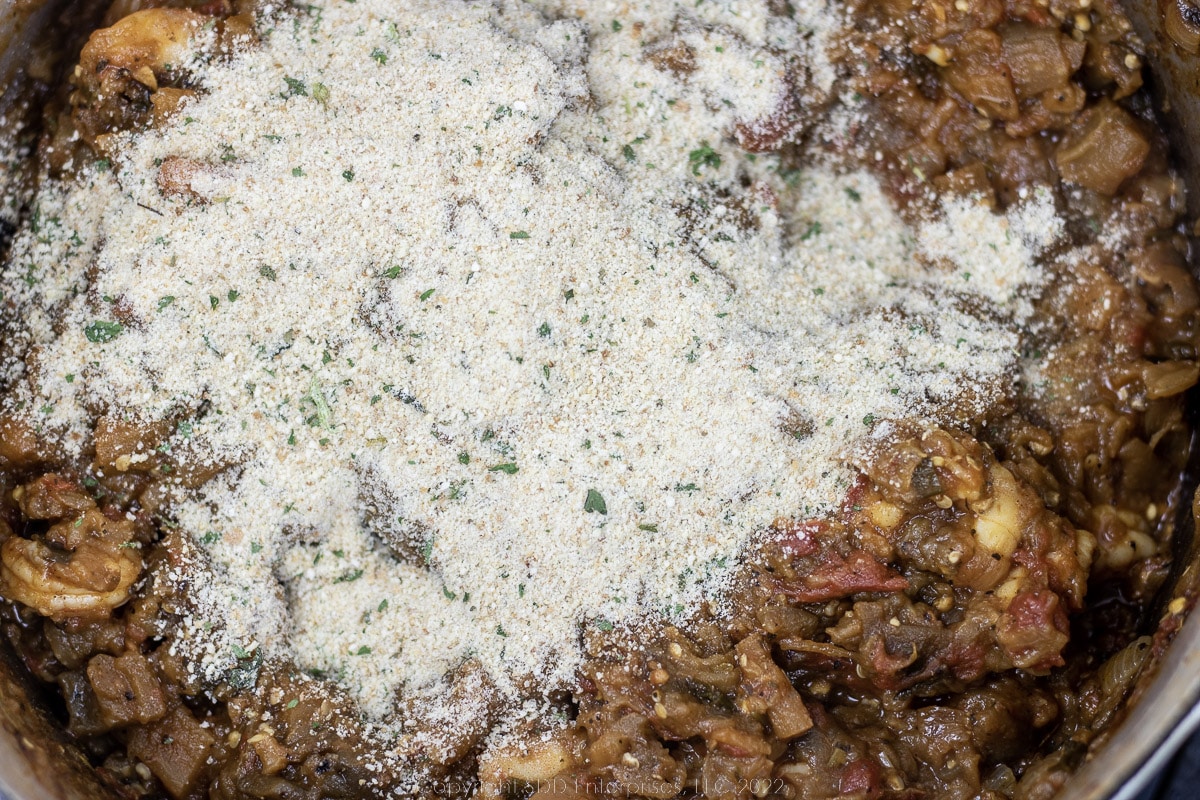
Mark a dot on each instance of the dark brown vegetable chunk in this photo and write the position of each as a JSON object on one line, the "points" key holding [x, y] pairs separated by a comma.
{"points": [[175, 749], [127, 690], [1102, 149]]}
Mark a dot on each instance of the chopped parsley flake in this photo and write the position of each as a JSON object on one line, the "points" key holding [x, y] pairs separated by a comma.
{"points": [[594, 502], [703, 156], [295, 88], [349, 577], [100, 331], [324, 412]]}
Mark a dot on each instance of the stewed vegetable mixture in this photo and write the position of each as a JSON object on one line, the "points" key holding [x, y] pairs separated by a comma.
{"points": [[965, 622]]}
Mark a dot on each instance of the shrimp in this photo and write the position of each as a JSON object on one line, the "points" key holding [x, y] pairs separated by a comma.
{"points": [[123, 68], [80, 568]]}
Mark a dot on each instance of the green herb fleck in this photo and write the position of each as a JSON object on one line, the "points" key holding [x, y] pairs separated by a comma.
{"points": [[594, 502], [464, 458], [348, 175], [508, 468], [379, 55], [648, 528], [349, 577], [703, 156], [165, 301], [604, 625], [813, 229], [317, 396], [268, 272], [295, 88], [544, 330], [425, 295], [518, 235], [100, 331]]}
